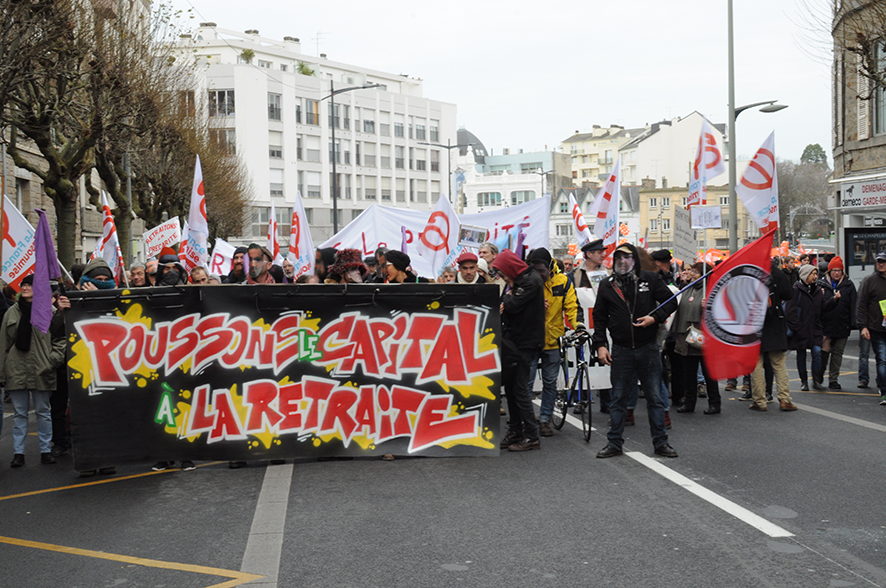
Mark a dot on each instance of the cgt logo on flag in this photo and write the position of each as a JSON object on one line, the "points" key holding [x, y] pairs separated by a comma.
{"points": [[736, 307]]}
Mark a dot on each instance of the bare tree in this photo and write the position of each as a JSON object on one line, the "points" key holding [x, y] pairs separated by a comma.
{"points": [[803, 189]]}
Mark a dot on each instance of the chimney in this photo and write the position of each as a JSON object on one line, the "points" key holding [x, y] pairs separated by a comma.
{"points": [[252, 32], [292, 44], [323, 55], [206, 32]]}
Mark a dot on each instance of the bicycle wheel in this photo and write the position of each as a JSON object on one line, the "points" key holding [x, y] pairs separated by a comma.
{"points": [[585, 390], [558, 417]]}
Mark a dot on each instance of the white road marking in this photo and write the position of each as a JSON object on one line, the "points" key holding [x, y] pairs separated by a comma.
{"points": [[265, 544], [844, 418], [724, 504]]}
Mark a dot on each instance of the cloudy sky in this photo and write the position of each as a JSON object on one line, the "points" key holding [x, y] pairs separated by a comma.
{"points": [[528, 74]]}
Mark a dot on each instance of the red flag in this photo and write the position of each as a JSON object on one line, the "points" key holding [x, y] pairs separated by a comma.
{"points": [[737, 300]]}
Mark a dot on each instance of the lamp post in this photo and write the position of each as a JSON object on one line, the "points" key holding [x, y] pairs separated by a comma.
{"points": [[448, 147], [542, 174], [771, 106], [334, 155]]}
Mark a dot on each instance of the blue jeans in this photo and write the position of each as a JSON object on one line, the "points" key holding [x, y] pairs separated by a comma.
{"points": [[550, 365], [627, 365], [816, 362], [878, 344], [864, 352], [20, 402]]}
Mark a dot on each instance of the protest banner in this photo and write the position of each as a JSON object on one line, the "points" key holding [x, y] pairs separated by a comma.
{"points": [[380, 226], [222, 258], [301, 246], [163, 235], [283, 371], [18, 246]]}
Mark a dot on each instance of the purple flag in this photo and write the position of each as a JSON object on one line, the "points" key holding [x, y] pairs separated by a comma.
{"points": [[45, 269], [403, 239]]}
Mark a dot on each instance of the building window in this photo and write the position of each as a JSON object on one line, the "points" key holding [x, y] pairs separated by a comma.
{"points": [[665, 202], [283, 67], [368, 126], [384, 129], [489, 199], [265, 64], [337, 151], [685, 201], [530, 168], [519, 197], [665, 224], [274, 110], [879, 101], [275, 152], [188, 104], [434, 131], [312, 112], [398, 129], [333, 217], [564, 230], [225, 138], [585, 173], [399, 157], [435, 161], [724, 200], [333, 116], [564, 207], [653, 202], [298, 112], [276, 190], [221, 103], [299, 149], [420, 132], [653, 224], [262, 214], [420, 164]]}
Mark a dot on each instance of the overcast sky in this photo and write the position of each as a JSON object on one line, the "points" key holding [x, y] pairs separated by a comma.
{"points": [[528, 74]]}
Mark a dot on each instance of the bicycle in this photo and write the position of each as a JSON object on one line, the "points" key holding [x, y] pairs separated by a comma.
{"points": [[579, 393]]}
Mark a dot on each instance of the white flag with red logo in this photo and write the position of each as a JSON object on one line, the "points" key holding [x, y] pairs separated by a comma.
{"points": [[273, 243], [108, 248], [582, 233], [438, 242], [18, 246], [301, 246], [196, 250], [758, 188], [605, 209], [708, 164]]}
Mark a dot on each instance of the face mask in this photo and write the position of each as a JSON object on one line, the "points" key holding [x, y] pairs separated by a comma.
{"points": [[255, 271], [100, 284], [170, 278], [624, 265]]}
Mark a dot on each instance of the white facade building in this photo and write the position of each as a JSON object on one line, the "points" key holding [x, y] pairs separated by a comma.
{"points": [[281, 122], [665, 151]]}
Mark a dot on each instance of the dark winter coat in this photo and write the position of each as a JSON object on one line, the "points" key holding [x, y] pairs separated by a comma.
{"points": [[868, 314], [618, 312], [838, 322], [803, 313], [775, 329], [523, 318]]}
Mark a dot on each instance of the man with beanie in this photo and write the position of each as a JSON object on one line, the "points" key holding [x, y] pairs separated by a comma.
{"points": [[663, 261], [870, 318], [467, 269], [170, 271], [627, 305], [238, 267], [838, 322], [523, 337], [559, 297]]}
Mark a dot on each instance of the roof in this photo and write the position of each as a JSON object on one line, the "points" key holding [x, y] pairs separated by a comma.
{"points": [[609, 134], [465, 138]]}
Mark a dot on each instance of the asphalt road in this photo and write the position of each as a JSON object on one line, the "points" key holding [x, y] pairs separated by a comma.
{"points": [[755, 499]]}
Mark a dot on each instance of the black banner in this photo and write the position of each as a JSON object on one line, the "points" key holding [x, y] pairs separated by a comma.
{"points": [[277, 371]]}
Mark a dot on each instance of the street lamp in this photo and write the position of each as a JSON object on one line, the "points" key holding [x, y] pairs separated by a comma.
{"points": [[542, 174], [771, 106], [334, 156], [448, 147]]}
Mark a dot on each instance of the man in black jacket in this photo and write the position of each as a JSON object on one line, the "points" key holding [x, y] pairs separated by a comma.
{"points": [[872, 320], [627, 305], [523, 337]]}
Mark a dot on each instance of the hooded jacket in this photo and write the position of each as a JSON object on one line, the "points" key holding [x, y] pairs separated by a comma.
{"points": [[523, 317], [838, 322], [868, 314], [617, 308], [803, 313], [561, 299]]}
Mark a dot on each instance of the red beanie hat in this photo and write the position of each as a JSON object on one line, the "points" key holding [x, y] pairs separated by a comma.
{"points": [[836, 263]]}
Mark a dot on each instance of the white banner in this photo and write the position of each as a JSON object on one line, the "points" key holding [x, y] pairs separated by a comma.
{"points": [[379, 226], [222, 258], [164, 235], [708, 165], [706, 217], [18, 245], [758, 188], [196, 251], [438, 241], [301, 246], [108, 247], [605, 209]]}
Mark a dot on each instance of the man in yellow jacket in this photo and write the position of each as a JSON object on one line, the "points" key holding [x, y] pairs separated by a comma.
{"points": [[560, 303]]}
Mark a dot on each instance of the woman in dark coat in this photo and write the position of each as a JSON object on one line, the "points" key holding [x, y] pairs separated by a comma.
{"points": [[803, 313], [838, 322]]}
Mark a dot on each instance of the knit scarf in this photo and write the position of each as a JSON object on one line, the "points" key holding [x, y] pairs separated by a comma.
{"points": [[23, 334]]}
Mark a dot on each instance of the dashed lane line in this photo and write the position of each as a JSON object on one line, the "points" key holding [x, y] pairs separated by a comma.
{"points": [[264, 547]]}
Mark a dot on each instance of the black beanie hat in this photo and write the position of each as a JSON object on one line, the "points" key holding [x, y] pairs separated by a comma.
{"points": [[399, 259], [541, 255]]}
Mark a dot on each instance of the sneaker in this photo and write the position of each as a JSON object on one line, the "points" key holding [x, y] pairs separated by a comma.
{"points": [[769, 398], [545, 430], [746, 396], [160, 466], [787, 406], [862, 384], [58, 450], [834, 386], [47, 459], [745, 388], [18, 460], [188, 465], [509, 439], [883, 400], [525, 445], [729, 387], [702, 390]]}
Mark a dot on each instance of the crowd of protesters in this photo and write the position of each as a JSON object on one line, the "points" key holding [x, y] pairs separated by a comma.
{"points": [[642, 328]]}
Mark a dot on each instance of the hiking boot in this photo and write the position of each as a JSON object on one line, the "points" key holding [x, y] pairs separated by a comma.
{"points": [[665, 450], [729, 387], [756, 406], [862, 384], [525, 445], [545, 430], [47, 459], [18, 460], [509, 440], [786, 405], [609, 451]]}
